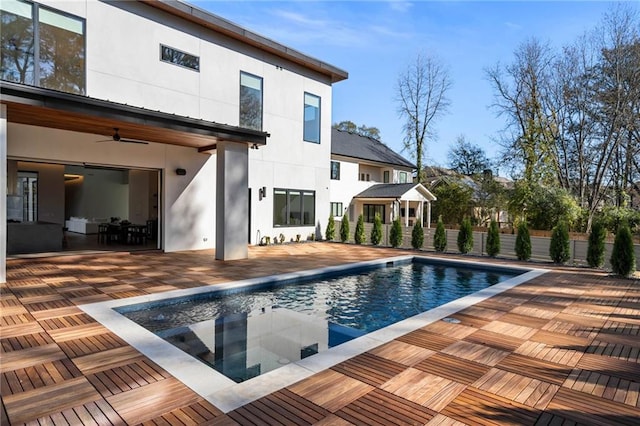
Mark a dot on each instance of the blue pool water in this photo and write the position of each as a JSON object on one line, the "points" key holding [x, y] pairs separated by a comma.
{"points": [[246, 333]]}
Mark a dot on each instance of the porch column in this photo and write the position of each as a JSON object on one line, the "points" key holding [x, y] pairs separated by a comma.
{"points": [[421, 213], [406, 213], [232, 200], [3, 192], [428, 214]]}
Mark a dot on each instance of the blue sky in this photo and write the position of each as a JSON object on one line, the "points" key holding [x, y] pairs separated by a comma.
{"points": [[375, 40]]}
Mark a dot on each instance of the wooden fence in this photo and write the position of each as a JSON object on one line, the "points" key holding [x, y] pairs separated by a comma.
{"points": [[539, 245]]}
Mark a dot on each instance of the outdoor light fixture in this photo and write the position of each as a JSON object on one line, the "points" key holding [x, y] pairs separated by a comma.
{"points": [[262, 192], [181, 172]]}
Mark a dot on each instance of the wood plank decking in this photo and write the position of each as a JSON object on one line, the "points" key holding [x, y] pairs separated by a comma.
{"points": [[561, 349]]}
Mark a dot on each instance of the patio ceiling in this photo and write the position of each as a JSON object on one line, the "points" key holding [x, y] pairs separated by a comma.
{"points": [[49, 108]]}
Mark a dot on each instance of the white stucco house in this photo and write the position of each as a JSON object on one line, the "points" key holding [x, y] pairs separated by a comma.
{"points": [[367, 177], [158, 111]]}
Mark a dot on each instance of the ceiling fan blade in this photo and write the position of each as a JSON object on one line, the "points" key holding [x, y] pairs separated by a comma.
{"points": [[133, 141]]}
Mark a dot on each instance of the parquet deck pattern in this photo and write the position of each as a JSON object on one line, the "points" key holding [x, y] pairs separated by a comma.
{"points": [[561, 349]]}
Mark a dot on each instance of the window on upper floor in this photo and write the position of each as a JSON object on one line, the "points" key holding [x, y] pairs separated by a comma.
{"points": [[250, 101], [335, 170], [177, 57], [365, 177], [42, 47], [293, 207], [311, 118], [402, 177], [337, 209], [386, 176]]}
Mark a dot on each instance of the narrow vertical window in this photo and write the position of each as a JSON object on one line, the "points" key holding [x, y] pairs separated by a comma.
{"points": [[62, 52], [403, 177], [385, 176], [335, 170], [250, 101], [17, 63], [311, 118]]}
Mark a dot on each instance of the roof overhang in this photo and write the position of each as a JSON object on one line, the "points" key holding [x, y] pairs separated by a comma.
{"points": [[367, 162], [49, 108], [215, 23]]}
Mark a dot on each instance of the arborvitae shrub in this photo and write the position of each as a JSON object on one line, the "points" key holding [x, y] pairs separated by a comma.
{"points": [[330, 232], [344, 228], [595, 249], [359, 237], [559, 250], [395, 235], [440, 237], [465, 236], [417, 235], [493, 239], [523, 242], [376, 231], [623, 258]]}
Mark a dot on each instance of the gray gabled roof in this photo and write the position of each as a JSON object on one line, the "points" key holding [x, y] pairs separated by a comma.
{"points": [[394, 191], [363, 148]]}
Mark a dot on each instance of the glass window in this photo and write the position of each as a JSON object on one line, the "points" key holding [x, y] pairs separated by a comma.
{"points": [[385, 176], [293, 207], [335, 170], [49, 52], [311, 118], [62, 52], [250, 101], [403, 177], [337, 209], [369, 212], [17, 42], [174, 56]]}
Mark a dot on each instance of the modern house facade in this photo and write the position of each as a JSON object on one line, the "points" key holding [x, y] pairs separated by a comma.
{"points": [[158, 111], [369, 178]]}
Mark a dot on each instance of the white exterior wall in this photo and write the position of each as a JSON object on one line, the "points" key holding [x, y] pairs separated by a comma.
{"points": [[349, 185], [123, 65]]}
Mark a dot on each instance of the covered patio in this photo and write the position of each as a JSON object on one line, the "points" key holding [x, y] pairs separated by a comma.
{"points": [[563, 347]]}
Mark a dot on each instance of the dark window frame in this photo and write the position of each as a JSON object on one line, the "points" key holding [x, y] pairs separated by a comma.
{"points": [[304, 110], [172, 62], [335, 171], [288, 218], [369, 212], [240, 122], [36, 43], [339, 209]]}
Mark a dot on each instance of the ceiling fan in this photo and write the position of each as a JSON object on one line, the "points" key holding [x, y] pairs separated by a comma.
{"points": [[116, 138]]}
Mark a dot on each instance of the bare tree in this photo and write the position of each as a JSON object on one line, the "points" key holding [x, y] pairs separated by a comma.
{"points": [[521, 96], [422, 96]]}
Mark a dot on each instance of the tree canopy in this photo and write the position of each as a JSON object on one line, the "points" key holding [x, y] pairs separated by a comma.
{"points": [[362, 130], [467, 158]]}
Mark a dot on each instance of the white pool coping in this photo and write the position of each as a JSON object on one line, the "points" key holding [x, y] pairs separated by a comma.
{"points": [[228, 395]]}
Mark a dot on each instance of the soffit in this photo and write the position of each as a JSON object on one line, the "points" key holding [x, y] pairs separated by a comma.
{"points": [[47, 108]]}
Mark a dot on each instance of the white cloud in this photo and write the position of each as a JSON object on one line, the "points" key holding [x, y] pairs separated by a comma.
{"points": [[400, 5], [513, 26]]}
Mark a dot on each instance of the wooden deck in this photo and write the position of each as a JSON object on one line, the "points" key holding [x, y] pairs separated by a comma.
{"points": [[562, 349]]}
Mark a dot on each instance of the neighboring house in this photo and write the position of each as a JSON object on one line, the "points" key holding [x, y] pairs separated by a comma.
{"points": [[435, 176], [166, 74], [367, 177]]}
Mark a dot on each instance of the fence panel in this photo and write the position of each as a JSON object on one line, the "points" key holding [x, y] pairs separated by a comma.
{"points": [[539, 245]]}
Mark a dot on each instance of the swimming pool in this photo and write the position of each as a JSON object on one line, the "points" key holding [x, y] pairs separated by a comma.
{"points": [[243, 334], [225, 393]]}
